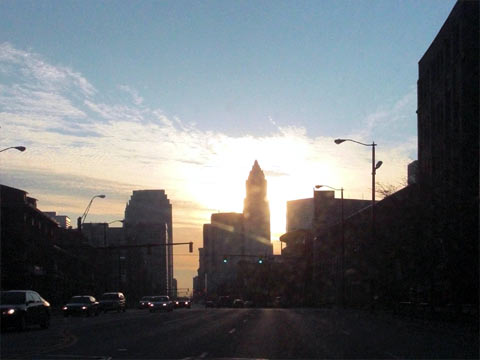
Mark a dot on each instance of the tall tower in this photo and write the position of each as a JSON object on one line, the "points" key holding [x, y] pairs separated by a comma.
{"points": [[256, 213], [148, 220]]}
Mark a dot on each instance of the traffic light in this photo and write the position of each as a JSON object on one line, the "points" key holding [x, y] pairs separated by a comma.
{"points": [[260, 261], [225, 260], [190, 247]]}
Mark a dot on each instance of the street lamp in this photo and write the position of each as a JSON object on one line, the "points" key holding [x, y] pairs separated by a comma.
{"points": [[106, 255], [19, 148], [82, 218], [375, 166], [343, 238], [374, 170]]}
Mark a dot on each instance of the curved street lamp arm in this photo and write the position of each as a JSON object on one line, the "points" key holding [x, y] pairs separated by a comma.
{"points": [[339, 141], [19, 148]]}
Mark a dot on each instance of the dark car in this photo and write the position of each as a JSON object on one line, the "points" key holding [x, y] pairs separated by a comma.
{"points": [[81, 305], [224, 301], [160, 303], [143, 303], [21, 308], [183, 303], [209, 304], [114, 301], [238, 303]]}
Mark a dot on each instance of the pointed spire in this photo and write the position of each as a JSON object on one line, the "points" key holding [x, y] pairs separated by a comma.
{"points": [[256, 171]]}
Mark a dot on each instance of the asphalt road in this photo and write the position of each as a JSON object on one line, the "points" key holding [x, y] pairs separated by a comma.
{"points": [[243, 333]]}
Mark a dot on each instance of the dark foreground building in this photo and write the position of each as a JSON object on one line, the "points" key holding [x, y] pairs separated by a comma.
{"points": [[448, 157]]}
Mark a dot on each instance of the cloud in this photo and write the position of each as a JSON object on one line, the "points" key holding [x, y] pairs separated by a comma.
{"points": [[137, 99], [44, 75], [79, 144]]}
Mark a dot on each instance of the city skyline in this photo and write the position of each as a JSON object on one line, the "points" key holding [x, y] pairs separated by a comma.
{"points": [[93, 125]]}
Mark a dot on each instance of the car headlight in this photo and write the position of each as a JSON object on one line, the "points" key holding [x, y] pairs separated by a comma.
{"points": [[150, 304], [84, 308], [11, 311], [164, 304], [65, 308], [186, 302], [176, 302]]}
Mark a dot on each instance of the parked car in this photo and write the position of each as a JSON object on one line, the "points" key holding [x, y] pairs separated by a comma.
{"points": [[81, 305], [248, 304], [160, 303], [113, 301], [224, 301], [21, 308], [238, 303], [183, 302], [143, 303]]}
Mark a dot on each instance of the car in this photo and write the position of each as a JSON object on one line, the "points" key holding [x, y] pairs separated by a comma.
{"points": [[183, 302], [21, 308], [209, 304], [224, 301], [238, 303], [81, 305], [143, 303], [160, 303], [113, 301]]}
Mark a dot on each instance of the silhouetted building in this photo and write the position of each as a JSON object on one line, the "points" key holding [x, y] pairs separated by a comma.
{"points": [[448, 152], [320, 211], [412, 176], [233, 238], [223, 244], [148, 220], [62, 220], [37, 254], [256, 213]]}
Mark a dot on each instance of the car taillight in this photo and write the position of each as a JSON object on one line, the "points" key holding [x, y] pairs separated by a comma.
{"points": [[150, 304]]}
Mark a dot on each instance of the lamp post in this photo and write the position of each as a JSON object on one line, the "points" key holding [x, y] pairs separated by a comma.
{"points": [[343, 238], [105, 225], [375, 166], [374, 170], [82, 218], [19, 148]]}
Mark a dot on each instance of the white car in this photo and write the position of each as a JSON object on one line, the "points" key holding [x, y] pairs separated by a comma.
{"points": [[160, 303]]}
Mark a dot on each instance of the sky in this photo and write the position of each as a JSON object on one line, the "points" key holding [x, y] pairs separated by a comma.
{"points": [[111, 97]]}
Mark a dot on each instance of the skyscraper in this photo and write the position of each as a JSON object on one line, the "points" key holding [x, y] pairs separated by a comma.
{"points": [[256, 213], [148, 220]]}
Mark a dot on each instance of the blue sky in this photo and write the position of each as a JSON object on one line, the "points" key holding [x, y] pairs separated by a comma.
{"points": [[185, 95]]}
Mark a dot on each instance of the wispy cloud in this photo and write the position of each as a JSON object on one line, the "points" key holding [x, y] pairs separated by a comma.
{"points": [[79, 143]]}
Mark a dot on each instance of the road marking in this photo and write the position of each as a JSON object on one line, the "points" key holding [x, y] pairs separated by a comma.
{"points": [[232, 331], [203, 355], [121, 349]]}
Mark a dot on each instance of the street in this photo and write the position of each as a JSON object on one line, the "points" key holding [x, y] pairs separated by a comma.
{"points": [[242, 333]]}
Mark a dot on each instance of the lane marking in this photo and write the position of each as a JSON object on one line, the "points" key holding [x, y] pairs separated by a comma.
{"points": [[203, 355], [232, 331]]}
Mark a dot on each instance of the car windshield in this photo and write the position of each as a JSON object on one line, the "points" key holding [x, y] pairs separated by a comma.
{"points": [[109, 297], [80, 300], [146, 298], [13, 298], [160, 298]]}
